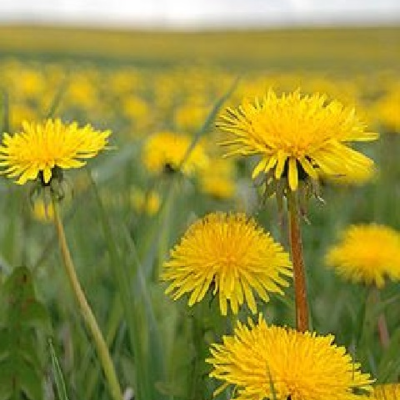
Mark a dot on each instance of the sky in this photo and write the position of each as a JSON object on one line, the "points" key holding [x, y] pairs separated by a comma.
{"points": [[200, 13]]}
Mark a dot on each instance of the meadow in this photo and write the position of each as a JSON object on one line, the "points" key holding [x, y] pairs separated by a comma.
{"points": [[127, 208]]}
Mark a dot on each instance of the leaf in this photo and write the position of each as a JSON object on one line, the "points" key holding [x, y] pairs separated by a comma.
{"points": [[58, 376], [4, 343], [24, 317], [18, 379]]}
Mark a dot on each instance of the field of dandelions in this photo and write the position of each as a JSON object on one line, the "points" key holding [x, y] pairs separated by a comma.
{"points": [[155, 202]]}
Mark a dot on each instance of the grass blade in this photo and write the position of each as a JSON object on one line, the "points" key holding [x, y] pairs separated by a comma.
{"points": [[58, 375]]}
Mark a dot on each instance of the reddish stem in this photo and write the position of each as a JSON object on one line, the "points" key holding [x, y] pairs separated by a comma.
{"points": [[299, 277]]}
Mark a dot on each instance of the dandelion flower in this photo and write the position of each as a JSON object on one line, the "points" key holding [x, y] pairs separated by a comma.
{"points": [[167, 150], [367, 253], [270, 362], [387, 110], [389, 391], [218, 179], [232, 255], [42, 148], [298, 137], [147, 202]]}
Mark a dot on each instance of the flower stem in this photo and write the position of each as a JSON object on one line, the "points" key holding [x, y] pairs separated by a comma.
{"points": [[88, 316], [383, 330], [298, 263]]}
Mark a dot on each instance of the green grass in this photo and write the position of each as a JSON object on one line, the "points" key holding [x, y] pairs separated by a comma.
{"points": [[344, 49]]}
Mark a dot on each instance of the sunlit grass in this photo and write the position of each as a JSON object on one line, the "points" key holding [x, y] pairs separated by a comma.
{"points": [[320, 48]]}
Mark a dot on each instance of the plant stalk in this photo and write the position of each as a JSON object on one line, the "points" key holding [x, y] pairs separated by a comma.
{"points": [[299, 276], [87, 314], [383, 330]]}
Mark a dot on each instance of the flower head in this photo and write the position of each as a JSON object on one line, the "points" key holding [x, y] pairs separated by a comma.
{"points": [[298, 137], [168, 150], [230, 253], [41, 149], [271, 362], [387, 110], [388, 391], [218, 179], [367, 253]]}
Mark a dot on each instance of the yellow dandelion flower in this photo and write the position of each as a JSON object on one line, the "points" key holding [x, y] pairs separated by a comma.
{"points": [[231, 254], [389, 391], [166, 151], [42, 147], [271, 362], [191, 116], [145, 202], [387, 110], [218, 179], [367, 253], [298, 137]]}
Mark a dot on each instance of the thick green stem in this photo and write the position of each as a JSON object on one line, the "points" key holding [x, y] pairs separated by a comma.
{"points": [[298, 263], [88, 316]]}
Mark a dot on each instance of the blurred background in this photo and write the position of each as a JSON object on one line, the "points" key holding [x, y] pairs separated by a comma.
{"points": [[67, 27]]}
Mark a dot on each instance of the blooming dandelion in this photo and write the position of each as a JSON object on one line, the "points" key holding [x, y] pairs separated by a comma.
{"points": [[389, 391], [231, 254], [298, 137], [167, 151], [42, 150], [271, 362], [367, 254]]}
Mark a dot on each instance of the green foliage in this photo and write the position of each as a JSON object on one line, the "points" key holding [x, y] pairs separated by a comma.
{"points": [[22, 318], [58, 375]]}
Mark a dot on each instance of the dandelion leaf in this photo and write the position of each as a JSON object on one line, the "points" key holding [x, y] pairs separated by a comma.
{"points": [[23, 322]]}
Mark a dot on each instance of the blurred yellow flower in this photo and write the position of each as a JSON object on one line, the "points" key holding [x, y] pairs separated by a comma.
{"points": [[148, 203], [367, 254], [166, 150], [297, 137], [387, 110], [41, 148], [191, 117], [22, 112], [218, 179], [137, 109], [271, 362], [233, 256], [81, 91]]}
